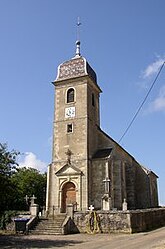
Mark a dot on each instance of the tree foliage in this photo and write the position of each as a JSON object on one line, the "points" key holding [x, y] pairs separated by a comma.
{"points": [[8, 166], [16, 183], [8, 162], [29, 182]]}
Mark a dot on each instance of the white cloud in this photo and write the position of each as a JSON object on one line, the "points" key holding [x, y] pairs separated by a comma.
{"points": [[153, 68], [159, 103], [30, 160]]}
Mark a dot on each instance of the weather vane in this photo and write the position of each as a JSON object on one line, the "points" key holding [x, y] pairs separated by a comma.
{"points": [[78, 28], [78, 38]]}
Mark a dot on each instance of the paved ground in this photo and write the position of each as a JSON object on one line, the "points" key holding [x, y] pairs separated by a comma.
{"points": [[154, 239]]}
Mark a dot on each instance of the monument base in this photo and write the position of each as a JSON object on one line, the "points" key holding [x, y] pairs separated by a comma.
{"points": [[34, 210]]}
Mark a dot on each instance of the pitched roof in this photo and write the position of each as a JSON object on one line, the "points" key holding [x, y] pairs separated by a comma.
{"points": [[103, 153], [68, 169]]}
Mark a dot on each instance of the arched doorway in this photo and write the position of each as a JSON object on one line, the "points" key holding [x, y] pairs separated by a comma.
{"points": [[68, 195]]}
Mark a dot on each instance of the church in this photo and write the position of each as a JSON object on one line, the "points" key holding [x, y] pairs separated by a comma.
{"points": [[88, 167]]}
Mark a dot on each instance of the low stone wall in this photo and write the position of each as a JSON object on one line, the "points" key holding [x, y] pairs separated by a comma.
{"points": [[147, 219], [122, 221]]}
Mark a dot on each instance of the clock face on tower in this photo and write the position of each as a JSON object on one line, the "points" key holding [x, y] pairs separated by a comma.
{"points": [[70, 112]]}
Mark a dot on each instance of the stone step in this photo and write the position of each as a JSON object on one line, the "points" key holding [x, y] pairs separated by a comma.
{"points": [[44, 232], [57, 223], [52, 222], [49, 226]]}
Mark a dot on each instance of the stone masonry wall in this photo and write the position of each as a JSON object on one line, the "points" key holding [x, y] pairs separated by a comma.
{"points": [[124, 222], [147, 219], [98, 189]]}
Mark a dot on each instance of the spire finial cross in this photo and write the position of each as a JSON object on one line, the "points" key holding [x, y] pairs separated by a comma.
{"points": [[78, 38], [78, 28]]}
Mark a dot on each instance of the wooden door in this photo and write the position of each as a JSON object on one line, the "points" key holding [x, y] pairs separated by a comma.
{"points": [[68, 195]]}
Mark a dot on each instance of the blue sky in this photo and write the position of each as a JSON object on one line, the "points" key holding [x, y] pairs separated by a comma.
{"points": [[123, 40]]}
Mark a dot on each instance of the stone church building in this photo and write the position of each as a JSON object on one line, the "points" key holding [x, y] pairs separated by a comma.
{"points": [[88, 167]]}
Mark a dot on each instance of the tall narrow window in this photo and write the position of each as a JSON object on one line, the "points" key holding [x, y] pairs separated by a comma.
{"points": [[70, 95], [69, 128]]}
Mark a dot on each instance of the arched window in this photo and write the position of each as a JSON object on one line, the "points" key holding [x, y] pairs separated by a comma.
{"points": [[70, 95]]}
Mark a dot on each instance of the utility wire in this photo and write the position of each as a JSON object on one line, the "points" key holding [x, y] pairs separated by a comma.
{"points": [[140, 107]]}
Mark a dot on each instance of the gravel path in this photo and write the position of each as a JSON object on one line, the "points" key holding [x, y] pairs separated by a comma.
{"points": [[154, 239]]}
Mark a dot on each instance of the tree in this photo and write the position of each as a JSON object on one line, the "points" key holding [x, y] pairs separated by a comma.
{"points": [[8, 166], [16, 183], [29, 181]]}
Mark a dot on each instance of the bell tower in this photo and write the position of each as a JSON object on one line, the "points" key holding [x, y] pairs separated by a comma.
{"points": [[88, 166], [76, 121]]}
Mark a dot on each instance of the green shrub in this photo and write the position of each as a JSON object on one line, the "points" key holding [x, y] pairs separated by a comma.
{"points": [[6, 218]]}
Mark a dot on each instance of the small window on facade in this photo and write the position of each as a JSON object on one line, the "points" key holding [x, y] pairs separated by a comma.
{"points": [[69, 128], [70, 95], [93, 99]]}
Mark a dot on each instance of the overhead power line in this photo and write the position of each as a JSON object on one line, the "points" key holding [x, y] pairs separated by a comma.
{"points": [[140, 107]]}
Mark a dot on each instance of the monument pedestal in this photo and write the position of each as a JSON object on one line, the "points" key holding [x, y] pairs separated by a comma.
{"points": [[106, 203], [34, 209], [70, 210]]}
